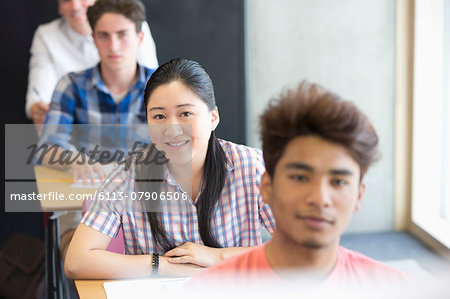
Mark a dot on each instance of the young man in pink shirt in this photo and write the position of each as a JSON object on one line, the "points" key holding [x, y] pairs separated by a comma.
{"points": [[317, 149]]}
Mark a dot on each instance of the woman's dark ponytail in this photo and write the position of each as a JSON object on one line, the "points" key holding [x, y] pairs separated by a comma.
{"points": [[214, 174]]}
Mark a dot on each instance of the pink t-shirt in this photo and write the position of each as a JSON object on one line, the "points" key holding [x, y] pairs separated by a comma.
{"points": [[251, 268]]}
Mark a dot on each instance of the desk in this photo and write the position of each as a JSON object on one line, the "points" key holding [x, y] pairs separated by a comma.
{"points": [[91, 289], [51, 181], [57, 181]]}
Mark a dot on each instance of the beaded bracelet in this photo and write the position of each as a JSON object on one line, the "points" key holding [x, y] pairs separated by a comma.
{"points": [[155, 263]]}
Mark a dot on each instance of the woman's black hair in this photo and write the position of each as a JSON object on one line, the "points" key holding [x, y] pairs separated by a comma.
{"points": [[194, 77]]}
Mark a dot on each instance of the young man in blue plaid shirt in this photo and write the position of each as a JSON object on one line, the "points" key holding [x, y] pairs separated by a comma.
{"points": [[109, 93]]}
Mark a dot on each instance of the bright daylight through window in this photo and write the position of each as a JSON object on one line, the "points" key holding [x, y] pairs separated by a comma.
{"points": [[431, 119]]}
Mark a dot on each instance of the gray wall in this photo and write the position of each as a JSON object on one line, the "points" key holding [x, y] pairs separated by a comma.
{"points": [[345, 45], [212, 33]]}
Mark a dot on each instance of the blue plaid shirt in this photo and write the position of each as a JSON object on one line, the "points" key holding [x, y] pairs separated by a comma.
{"points": [[83, 113]]}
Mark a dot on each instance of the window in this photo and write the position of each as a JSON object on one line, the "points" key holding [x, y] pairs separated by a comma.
{"points": [[431, 119]]}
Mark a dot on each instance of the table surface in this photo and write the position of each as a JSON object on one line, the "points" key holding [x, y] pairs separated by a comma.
{"points": [[91, 289], [54, 182]]}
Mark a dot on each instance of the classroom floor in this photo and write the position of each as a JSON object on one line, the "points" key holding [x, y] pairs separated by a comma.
{"points": [[396, 246]]}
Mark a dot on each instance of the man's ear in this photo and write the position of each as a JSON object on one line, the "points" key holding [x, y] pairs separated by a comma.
{"points": [[93, 38], [215, 119], [140, 37], [362, 187], [266, 188]]}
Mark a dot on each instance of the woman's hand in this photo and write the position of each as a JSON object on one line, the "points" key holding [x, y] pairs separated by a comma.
{"points": [[87, 258], [197, 254], [168, 269], [87, 172]]}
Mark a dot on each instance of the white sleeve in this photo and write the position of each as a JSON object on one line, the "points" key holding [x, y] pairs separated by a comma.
{"points": [[147, 52], [42, 77]]}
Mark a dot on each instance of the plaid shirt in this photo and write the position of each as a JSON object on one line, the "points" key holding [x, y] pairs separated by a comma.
{"points": [[83, 103], [236, 219]]}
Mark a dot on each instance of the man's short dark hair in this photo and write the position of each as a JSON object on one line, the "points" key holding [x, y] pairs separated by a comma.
{"points": [[133, 10], [313, 110]]}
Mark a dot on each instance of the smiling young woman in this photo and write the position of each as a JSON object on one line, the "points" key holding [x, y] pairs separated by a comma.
{"points": [[221, 209]]}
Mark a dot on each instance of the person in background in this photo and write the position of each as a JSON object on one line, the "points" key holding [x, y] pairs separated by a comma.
{"points": [[109, 93], [317, 149], [66, 45]]}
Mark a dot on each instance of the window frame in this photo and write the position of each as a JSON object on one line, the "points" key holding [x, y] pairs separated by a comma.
{"points": [[430, 119]]}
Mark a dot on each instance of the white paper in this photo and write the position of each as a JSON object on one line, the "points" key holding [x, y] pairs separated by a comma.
{"points": [[145, 288]]}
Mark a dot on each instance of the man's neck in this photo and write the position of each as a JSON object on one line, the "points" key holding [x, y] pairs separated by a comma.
{"points": [[84, 29], [286, 257], [119, 80]]}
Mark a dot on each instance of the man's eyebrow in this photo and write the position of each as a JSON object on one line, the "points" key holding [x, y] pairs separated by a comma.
{"points": [[117, 32], [178, 106], [302, 166], [345, 172], [306, 167]]}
